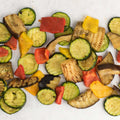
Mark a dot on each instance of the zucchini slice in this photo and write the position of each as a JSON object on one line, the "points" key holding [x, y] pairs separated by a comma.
{"points": [[38, 37], [89, 63], [114, 25], [53, 65], [71, 91], [14, 97], [80, 49], [84, 100], [49, 81], [5, 59], [112, 105], [105, 44], [66, 32], [7, 108], [4, 33], [46, 96], [29, 63], [3, 87], [65, 16], [27, 15]]}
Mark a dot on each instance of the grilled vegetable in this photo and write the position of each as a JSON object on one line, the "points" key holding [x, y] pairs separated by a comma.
{"points": [[53, 65], [65, 16], [33, 89], [12, 43], [6, 58], [51, 46], [96, 39], [106, 79], [91, 24], [27, 15], [59, 92], [18, 83], [38, 37], [4, 33], [3, 52], [41, 55], [29, 63], [114, 38], [71, 91], [71, 70], [64, 43], [114, 25], [7, 108], [49, 81], [14, 25], [14, 97], [6, 72], [25, 43], [100, 90], [65, 51], [112, 105], [89, 63], [118, 56], [104, 45], [52, 24], [20, 72], [46, 96], [66, 32], [84, 100], [3, 87], [80, 49]]}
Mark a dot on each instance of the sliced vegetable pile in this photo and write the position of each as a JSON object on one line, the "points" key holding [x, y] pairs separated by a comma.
{"points": [[78, 62]]}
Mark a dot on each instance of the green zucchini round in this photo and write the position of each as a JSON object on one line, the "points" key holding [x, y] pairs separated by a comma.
{"points": [[3, 87], [5, 59]]}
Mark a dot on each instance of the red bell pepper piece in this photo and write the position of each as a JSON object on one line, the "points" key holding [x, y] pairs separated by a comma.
{"points": [[20, 72], [41, 55], [59, 92], [52, 24], [12, 43], [118, 57], [3, 52], [99, 59]]}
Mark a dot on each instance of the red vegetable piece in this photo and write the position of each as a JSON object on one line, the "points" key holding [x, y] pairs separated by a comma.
{"points": [[20, 72], [41, 55], [99, 59], [118, 57], [52, 24], [12, 43], [59, 92], [3, 52]]}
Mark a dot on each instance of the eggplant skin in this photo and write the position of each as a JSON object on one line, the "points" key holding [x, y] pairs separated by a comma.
{"points": [[84, 100], [14, 25]]}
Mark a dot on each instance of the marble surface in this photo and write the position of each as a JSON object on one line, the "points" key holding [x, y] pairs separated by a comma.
{"points": [[77, 10]]}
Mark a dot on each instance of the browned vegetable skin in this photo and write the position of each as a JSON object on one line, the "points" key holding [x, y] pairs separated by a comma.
{"points": [[16, 82], [109, 69], [95, 39], [71, 70], [6, 72], [106, 78], [51, 46], [116, 90], [14, 25], [115, 39], [84, 100]]}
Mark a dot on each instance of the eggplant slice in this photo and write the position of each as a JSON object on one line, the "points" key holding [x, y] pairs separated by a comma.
{"points": [[71, 70], [17, 83], [106, 78], [51, 46], [95, 39], [84, 100], [6, 72], [14, 25]]}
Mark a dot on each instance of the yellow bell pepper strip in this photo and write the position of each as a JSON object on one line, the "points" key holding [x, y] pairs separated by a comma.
{"points": [[91, 24], [25, 43], [100, 90], [35, 88], [65, 51]]}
